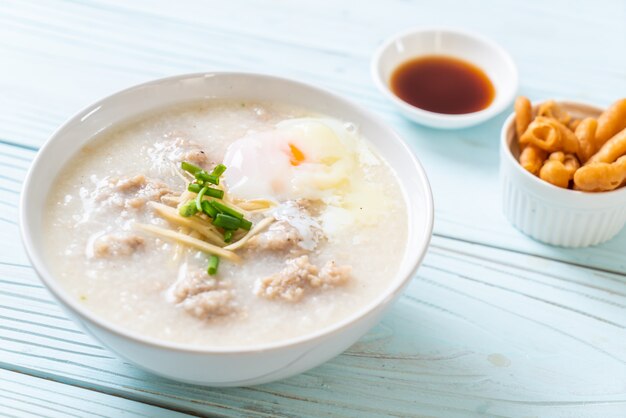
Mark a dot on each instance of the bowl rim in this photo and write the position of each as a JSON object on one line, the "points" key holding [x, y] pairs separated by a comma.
{"points": [[481, 115], [542, 185], [54, 286]]}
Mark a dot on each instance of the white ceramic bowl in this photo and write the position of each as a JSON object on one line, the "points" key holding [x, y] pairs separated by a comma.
{"points": [[487, 55], [550, 214], [232, 366]]}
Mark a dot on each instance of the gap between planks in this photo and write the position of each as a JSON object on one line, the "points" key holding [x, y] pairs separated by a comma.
{"points": [[39, 375], [521, 252]]}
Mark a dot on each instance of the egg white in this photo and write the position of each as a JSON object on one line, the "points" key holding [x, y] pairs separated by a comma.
{"points": [[307, 158]]}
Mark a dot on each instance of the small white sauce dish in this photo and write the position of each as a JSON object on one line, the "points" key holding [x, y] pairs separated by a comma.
{"points": [[230, 366], [550, 214], [491, 58]]}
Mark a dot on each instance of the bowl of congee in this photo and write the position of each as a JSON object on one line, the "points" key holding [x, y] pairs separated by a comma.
{"points": [[226, 229]]}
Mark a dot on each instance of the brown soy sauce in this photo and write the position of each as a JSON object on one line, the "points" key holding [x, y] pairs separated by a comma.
{"points": [[443, 84]]}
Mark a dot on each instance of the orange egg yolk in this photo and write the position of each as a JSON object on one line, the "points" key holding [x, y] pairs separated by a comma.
{"points": [[297, 156]]}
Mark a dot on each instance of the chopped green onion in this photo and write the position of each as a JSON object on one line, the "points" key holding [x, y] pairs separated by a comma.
{"points": [[227, 210], [208, 209], [213, 179], [205, 205], [194, 187], [219, 170], [217, 193], [210, 192], [188, 209], [201, 176], [214, 262], [190, 168], [199, 198], [226, 221], [228, 236], [245, 224], [204, 177]]}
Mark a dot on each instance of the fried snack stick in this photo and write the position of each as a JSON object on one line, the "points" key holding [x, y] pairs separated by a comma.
{"points": [[523, 115], [601, 177], [549, 135], [552, 110], [559, 169], [532, 158], [585, 133], [610, 122], [542, 134], [611, 150], [573, 124]]}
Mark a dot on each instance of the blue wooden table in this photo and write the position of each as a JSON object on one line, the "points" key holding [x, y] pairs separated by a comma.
{"points": [[494, 324]]}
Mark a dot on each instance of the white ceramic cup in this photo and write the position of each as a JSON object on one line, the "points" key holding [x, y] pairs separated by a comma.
{"points": [[550, 214], [480, 51], [230, 366]]}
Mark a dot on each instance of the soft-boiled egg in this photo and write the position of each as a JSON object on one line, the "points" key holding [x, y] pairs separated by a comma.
{"points": [[300, 158], [308, 158]]}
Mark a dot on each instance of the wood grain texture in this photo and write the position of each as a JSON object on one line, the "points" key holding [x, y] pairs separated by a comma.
{"points": [[494, 323], [27, 396]]}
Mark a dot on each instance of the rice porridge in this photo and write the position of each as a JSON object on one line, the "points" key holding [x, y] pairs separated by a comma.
{"points": [[226, 223]]}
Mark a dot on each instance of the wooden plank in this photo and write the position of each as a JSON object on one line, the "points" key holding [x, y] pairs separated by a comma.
{"points": [[479, 331], [14, 162], [27, 396]]}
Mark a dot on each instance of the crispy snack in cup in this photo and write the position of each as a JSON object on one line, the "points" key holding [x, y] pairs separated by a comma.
{"points": [[553, 145], [542, 134], [571, 162], [549, 135], [554, 172], [601, 177], [559, 169], [585, 133], [523, 115], [552, 110], [573, 124], [610, 122], [531, 158], [611, 150], [569, 142]]}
